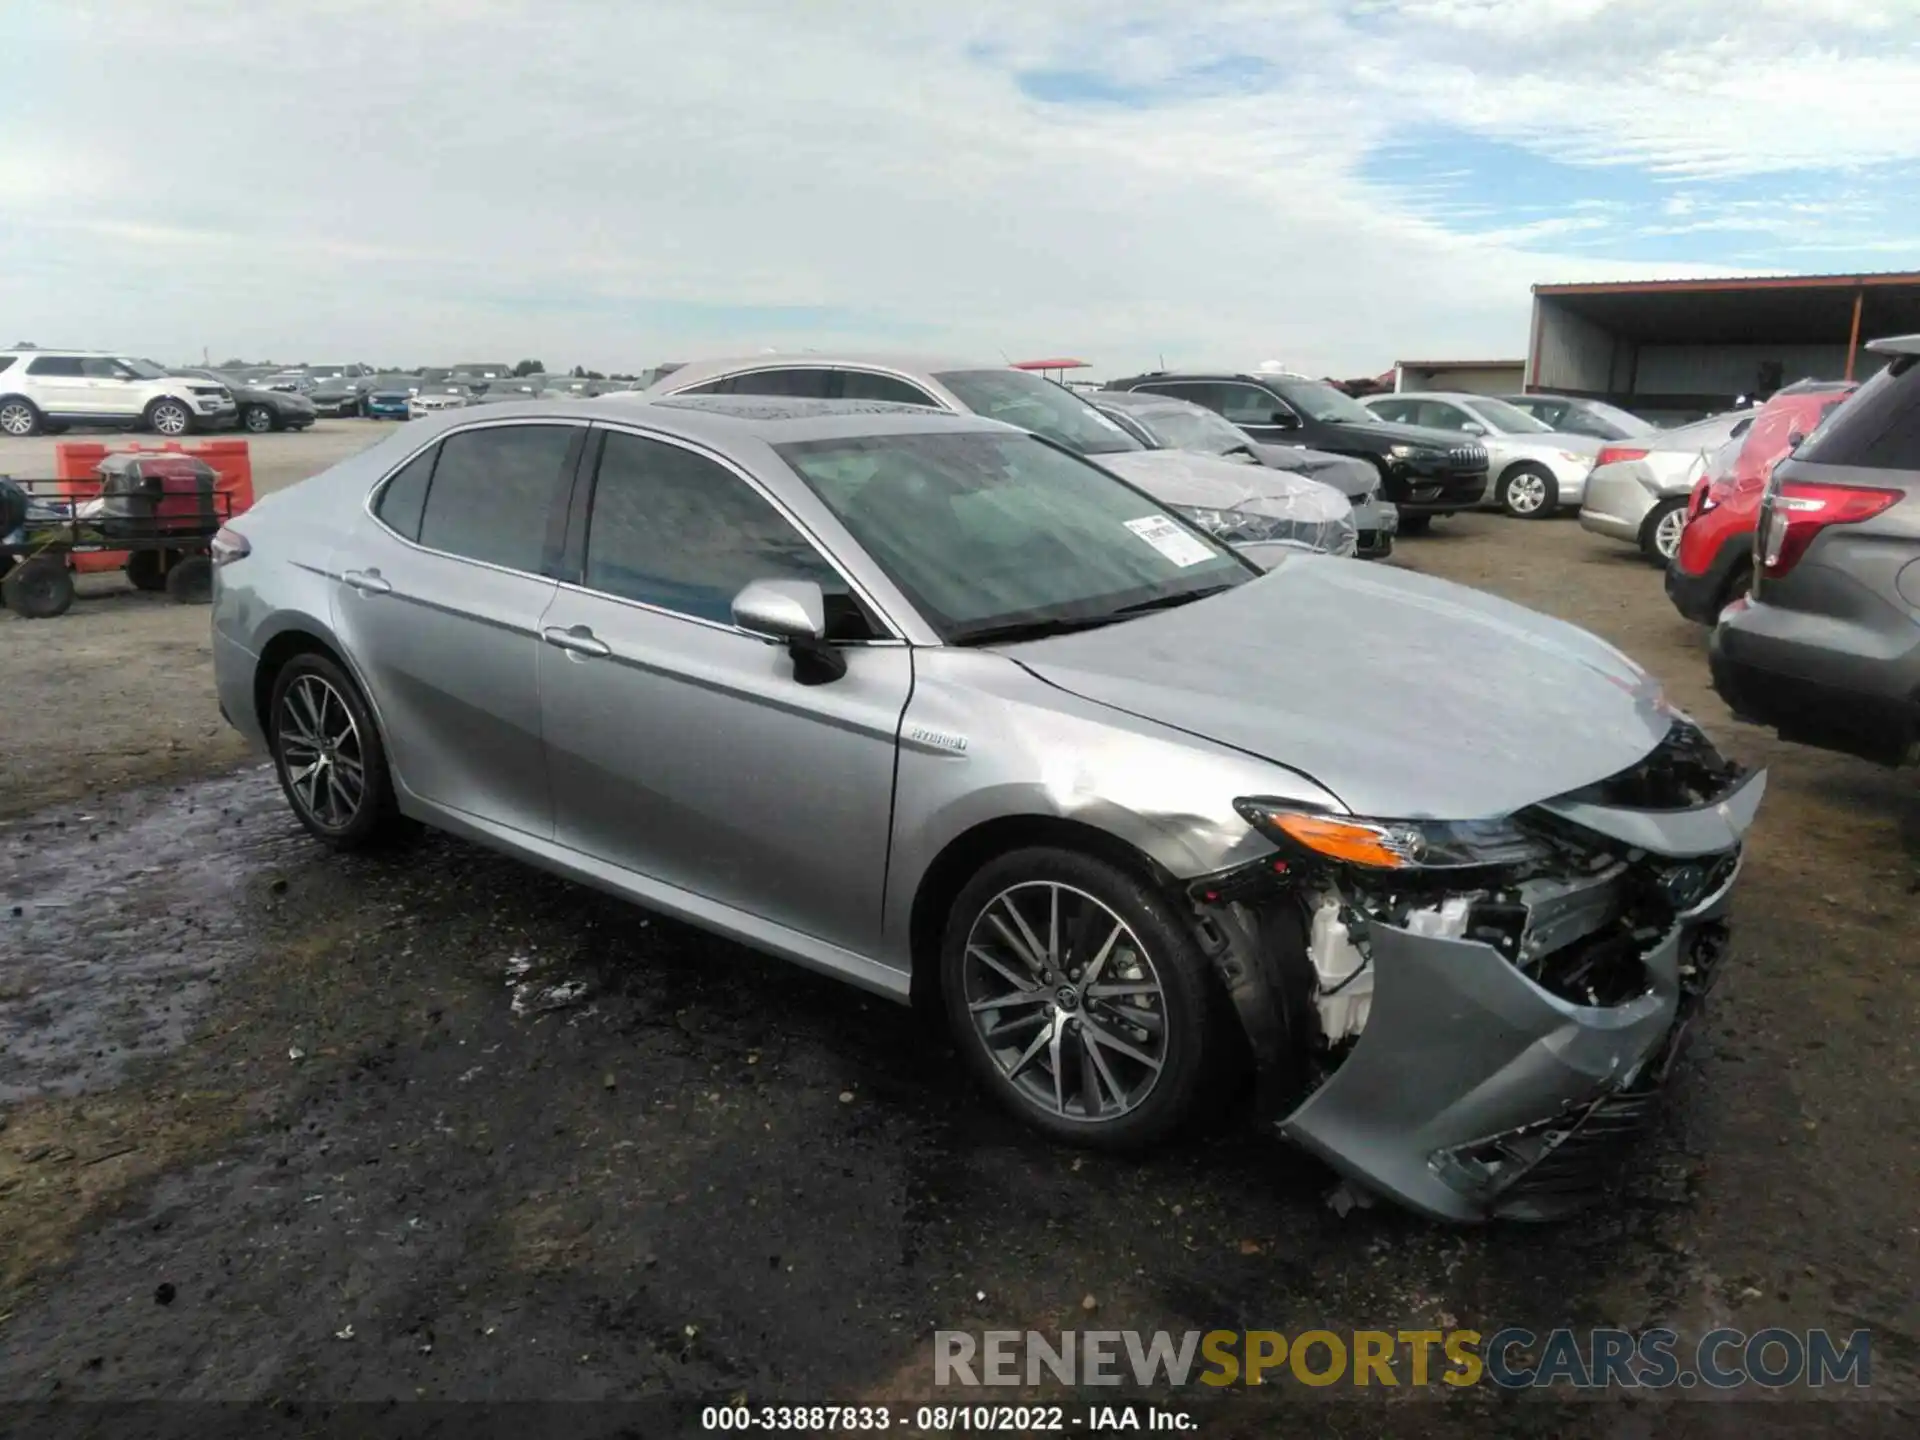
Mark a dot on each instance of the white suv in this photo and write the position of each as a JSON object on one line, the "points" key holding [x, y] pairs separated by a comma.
{"points": [[52, 389]]}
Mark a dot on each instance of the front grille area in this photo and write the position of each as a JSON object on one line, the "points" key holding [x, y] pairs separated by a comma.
{"points": [[1468, 457]]}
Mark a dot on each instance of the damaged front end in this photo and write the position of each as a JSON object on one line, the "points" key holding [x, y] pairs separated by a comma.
{"points": [[1472, 1018]]}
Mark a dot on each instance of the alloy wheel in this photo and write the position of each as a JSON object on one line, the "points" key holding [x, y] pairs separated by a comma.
{"points": [[1066, 1001], [1666, 533], [169, 419], [1526, 494], [16, 418], [320, 748], [259, 419]]}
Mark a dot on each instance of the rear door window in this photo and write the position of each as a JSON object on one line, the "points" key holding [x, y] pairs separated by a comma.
{"points": [[492, 492], [1250, 405], [802, 382], [1398, 412], [865, 385], [56, 366], [1878, 428]]}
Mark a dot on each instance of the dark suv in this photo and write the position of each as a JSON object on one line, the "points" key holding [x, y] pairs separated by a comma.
{"points": [[1424, 472], [1826, 648]]}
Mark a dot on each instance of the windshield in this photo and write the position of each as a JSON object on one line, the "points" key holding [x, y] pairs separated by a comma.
{"points": [[1018, 398], [145, 369], [1509, 419], [1320, 401], [983, 532], [1179, 428]]}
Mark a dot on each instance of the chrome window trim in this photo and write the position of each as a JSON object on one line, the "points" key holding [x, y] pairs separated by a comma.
{"points": [[379, 487], [863, 367]]}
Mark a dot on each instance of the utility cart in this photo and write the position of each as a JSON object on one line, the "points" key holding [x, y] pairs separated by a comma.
{"points": [[161, 510]]}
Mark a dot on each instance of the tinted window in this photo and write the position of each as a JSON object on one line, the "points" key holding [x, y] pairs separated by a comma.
{"points": [[1879, 428], [722, 386], [1248, 404], [1018, 397], [985, 529], [675, 529], [95, 369], [864, 385], [1193, 392], [405, 495], [6, 361], [53, 365], [491, 493], [1438, 415], [806, 384], [1400, 412]]}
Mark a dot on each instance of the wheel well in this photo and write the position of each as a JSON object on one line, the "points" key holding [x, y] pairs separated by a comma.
{"points": [[1519, 465], [961, 860], [273, 659]]}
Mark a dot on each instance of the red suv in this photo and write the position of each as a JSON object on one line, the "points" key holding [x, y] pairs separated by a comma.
{"points": [[1713, 565]]}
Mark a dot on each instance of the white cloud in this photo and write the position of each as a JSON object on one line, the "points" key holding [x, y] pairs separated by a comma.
{"points": [[596, 183]]}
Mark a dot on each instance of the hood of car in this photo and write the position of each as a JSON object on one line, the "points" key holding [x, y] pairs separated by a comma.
{"points": [[1189, 477], [1350, 476], [1385, 432], [1406, 696]]}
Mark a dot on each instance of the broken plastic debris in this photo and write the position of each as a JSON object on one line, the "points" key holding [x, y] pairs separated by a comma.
{"points": [[345, 1334], [1345, 1198], [294, 1052], [530, 999]]}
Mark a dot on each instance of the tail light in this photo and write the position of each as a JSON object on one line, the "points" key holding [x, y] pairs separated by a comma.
{"points": [[1800, 510], [228, 546], [1614, 454], [1697, 497]]}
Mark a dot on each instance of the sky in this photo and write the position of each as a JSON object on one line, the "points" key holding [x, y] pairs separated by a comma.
{"points": [[615, 183]]}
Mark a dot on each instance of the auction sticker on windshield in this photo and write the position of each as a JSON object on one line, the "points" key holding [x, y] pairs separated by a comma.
{"points": [[1170, 540]]}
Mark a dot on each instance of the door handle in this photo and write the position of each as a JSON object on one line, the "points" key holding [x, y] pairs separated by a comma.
{"points": [[577, 641], [368, 582]]}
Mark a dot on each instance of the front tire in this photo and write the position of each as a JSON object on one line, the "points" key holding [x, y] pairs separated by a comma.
{"points": [[1660, 531], [257, 419], [190, 581], [19, 418], [1079, 997], [328, 755], [169, 417], [38, 589], [1528, 492]]}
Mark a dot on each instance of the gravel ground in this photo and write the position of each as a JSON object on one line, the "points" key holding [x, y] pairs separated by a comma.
{"points": [[284, 1125]]}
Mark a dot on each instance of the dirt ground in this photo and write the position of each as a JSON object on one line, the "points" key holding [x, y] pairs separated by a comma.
{"points": [[433, 1125], [115, 691]]}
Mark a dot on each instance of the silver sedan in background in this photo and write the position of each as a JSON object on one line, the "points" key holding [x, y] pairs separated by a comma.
{"points": [[1532, 470], [929, 704], [1638, 489], [1166, 423]]}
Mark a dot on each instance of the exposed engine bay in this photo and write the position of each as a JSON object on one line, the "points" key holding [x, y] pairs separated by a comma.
{"points": [[1606, 935]]}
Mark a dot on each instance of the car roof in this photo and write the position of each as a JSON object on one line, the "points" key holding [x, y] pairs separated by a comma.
{"points": [[694, 372], [1896, 345], [772, 419]]}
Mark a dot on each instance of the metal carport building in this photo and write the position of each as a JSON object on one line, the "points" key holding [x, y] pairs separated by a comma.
{"points": [[1669, 349]]}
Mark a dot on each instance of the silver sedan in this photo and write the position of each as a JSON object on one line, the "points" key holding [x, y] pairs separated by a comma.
{"points": [[934, 706], [1638, 489]]}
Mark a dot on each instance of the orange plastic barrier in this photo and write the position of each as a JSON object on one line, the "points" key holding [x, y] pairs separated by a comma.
{"points": [[77, 463]]}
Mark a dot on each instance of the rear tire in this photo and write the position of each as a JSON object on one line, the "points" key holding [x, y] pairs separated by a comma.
{"points": [[1102, 1039], [38, 589], [1660, 531], [328, 755], [147, 569], [1528, 492], [190, 581]]}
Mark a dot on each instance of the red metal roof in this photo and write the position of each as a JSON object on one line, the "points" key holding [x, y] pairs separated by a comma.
{"points": [[1060, 364], [1736, 282]]}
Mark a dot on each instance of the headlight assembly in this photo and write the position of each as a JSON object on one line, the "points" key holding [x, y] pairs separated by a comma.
{"points": [[1406, 845], [1232, 524]]}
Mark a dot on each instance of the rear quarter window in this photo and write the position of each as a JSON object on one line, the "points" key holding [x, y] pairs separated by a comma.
{"points": [[6, 363], [1878, 428]]}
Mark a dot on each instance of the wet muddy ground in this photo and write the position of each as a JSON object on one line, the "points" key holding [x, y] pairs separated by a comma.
{"points": [[284, 1125]]}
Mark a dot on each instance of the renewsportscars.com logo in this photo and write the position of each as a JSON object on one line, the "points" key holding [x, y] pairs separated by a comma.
{"points": [[1512, 1358]]}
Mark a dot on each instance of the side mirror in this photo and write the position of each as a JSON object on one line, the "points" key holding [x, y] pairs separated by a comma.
{"points": [[1285, 420], [793, 613], [1473, 427], [1794, 437]]}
